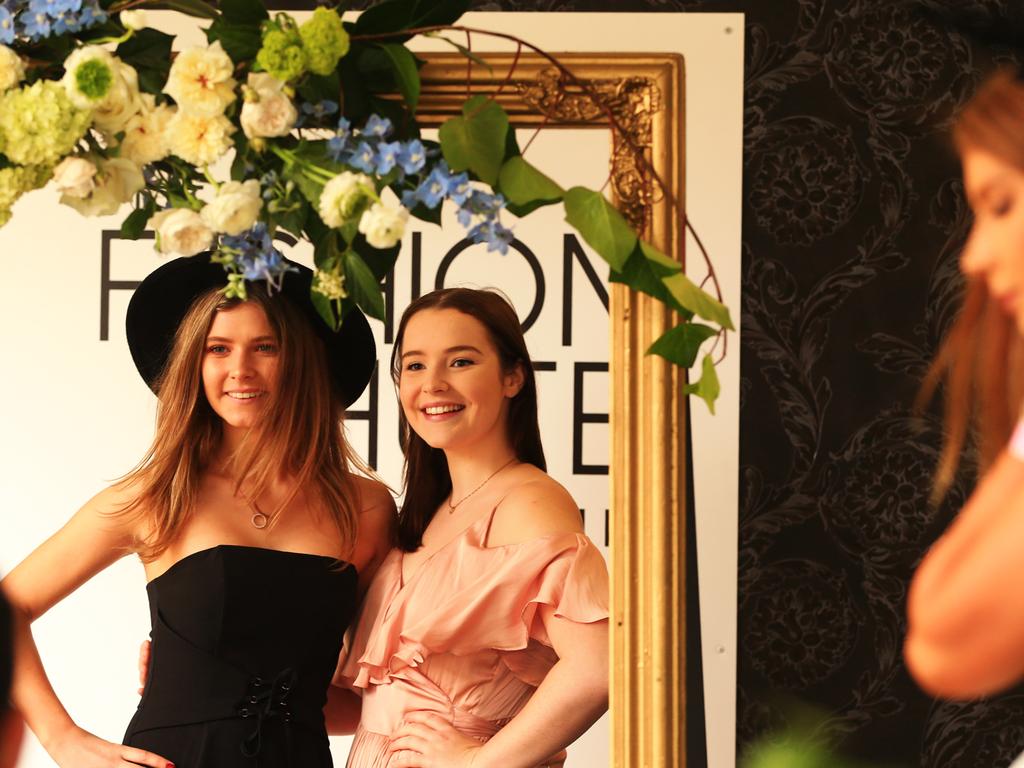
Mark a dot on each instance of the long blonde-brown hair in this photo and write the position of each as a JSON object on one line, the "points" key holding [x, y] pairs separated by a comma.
{"points": [[981, 358], [300, 434]]}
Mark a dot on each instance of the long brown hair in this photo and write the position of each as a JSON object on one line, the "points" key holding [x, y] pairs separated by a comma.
{"points": [[427, 481], [981, 358], [300, 433]]}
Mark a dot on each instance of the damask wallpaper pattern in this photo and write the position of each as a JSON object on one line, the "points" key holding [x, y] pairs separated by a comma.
{"points": [[853, 220]]}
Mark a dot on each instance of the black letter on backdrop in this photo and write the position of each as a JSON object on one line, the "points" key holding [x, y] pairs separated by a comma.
{"points": [[531, 259], [579, 418], [371, 415], [572, 247]]}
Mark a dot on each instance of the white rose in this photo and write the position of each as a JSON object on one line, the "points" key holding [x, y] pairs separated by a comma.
{"points": [[181, 231], [122, 103], [12, 69], [383, 226], [200, 80], [89, 75], [198, 139], [267, 110], [134, 20], [235, 208], [343, 196], [117, 180], [74, 177], [145, 135]]}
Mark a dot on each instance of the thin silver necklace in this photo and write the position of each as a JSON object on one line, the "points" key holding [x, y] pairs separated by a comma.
{"points": [[448, 501]]}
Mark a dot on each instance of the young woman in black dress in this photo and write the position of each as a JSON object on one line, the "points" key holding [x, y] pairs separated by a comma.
{"points": [[254, 531]]}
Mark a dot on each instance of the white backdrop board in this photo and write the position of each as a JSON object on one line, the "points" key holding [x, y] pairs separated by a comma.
{"points": [[77, 415]]}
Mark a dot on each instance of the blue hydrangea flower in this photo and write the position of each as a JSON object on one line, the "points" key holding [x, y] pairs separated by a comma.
{"points": [[387, 156], [434, 188], [6, 26], [91, 14], [377, 126], [459, 189], [344, 128], [412, 157], [465, 217], [35, 25], [410, 198], [317, 111], [66, 21], [364, 158], [256, 257], [493, 233]]}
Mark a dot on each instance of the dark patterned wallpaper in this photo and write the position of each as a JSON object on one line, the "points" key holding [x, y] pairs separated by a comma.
{"points": [[852, 221]]}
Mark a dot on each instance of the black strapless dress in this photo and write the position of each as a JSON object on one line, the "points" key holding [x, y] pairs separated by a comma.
{"points": [[245, 643]]}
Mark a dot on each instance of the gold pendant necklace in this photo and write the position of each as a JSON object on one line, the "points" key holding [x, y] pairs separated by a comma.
{"points": [[451, 507]]}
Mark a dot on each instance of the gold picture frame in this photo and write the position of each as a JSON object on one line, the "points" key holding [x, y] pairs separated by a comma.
{"points": [[645, 93]]}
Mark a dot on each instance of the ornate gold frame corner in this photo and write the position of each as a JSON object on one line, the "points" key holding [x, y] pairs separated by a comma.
{"points": [[648, 409]]}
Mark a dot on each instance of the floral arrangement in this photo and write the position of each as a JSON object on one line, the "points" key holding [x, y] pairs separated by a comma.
{"points": [[94, 102]]}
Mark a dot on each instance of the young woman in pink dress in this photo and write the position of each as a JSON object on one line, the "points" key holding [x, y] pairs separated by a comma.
{"points": [[483, 639]]}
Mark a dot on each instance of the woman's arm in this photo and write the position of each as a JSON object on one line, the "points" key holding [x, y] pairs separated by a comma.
{"points": [[965, 621], [88, 543]]}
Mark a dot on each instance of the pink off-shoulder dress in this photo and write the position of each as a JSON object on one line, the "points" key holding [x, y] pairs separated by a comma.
{"points": [[463, 637]]}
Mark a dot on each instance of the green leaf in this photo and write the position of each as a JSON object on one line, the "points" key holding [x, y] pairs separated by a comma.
{"points": [[681, 344], [461, 49], [407, 75], [316, 88], [135, 224], [433, 13], [707, 388], [477, 139], [379, 260], [292, 221], [600, 225], [196, 8], [325, 308], [244, 12], [522, 184], [698, 301], [644, 270], [389, 16], [362, 285], [240, 43]]}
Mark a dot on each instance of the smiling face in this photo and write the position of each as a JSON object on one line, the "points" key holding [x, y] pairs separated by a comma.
{"points": [[453, 388], [240, 362], [995, 249]]}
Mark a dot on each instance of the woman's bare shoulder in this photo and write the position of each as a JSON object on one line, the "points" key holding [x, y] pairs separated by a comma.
{"points": [[535, 507]]}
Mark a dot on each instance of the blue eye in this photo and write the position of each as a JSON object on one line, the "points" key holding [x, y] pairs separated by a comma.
{"points": [[267, 347], [217, 349]]}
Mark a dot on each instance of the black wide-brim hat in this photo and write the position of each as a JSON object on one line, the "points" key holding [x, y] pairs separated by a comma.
{"points": [[164, 297]]}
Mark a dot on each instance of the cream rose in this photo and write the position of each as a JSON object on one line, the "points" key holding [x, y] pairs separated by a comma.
{"points": [[117, 180], [134, 20], [75, 177], [267, 111], [383, 226], [122, 103], [200, 81], [198, 139], [181, 231], [12, 69], [235, 208], [145, 134], [344, 196]]}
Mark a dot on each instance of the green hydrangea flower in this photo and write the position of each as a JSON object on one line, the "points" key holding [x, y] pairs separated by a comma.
{"points": [[325, 40], [39, 124], [15, 181], [282, 54]]}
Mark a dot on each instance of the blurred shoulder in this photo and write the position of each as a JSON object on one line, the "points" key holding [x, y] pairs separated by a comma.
{"points": [[535, 506]]}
